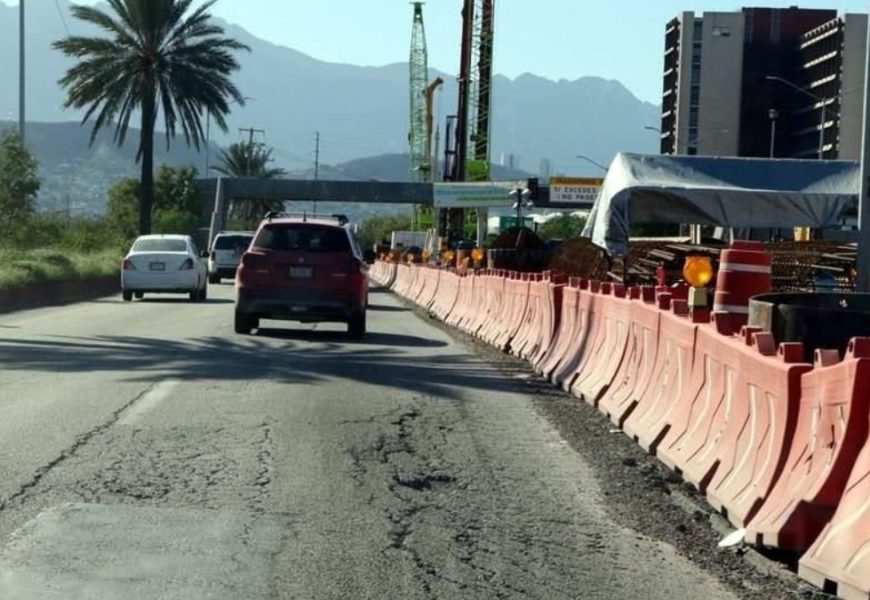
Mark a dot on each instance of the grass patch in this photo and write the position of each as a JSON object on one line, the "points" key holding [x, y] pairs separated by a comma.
{"points": [[19, 268]]}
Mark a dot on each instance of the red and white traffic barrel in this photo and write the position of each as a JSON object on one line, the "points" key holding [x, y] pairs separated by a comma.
{"points": [[744, 271]]}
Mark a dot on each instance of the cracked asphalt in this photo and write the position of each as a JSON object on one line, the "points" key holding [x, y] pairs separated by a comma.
{"points": [[146, 451]]}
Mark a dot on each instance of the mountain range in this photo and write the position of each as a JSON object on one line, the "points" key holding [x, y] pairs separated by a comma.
{"points": [[359, 111]]}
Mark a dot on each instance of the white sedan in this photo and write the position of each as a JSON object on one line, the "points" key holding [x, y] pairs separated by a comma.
{"points": [[164, 264]]}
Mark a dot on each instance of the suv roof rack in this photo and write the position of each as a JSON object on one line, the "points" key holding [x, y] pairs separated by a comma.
{"points": [[274, 214]]}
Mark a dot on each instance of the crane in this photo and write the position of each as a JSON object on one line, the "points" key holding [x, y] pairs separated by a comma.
{"points": [[419, 88]]}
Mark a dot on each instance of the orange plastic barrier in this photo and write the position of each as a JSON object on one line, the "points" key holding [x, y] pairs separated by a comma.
{"points": [[493, 329], [831, 430], [608, 348], [761, 423], [463, 304], [403, 279], [637, 368], [577, 352], [566, 330], [838, 561], [530, 324], [448, 292], [427, 296], [650, 420], [550, 320], [478, 303], [517, 299], [494, 285], [424, 282]]}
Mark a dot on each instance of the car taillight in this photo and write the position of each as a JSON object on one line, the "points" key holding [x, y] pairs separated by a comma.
{"points": [[253, 261], [128, 265], [186, 265], [355, 266]]}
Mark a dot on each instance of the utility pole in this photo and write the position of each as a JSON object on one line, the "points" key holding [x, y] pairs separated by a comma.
{"points": [[316, 162], [251, 131], [316, 156], [863, 283], [21, 78]]}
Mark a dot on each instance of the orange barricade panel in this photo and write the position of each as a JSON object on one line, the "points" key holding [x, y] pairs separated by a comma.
{"points": [[761, 426], [495, 292], [838, 561], [650, 420], [518, 299], [831, 430], [700, 415], [550, 320], [570, 332], [531, 319], [636, 371], [579, 348], [614, 314], [494, 329], [463, 301]]}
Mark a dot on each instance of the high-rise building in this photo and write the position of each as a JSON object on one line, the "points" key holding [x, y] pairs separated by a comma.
{"points": [[545, 170], [733, 81]]}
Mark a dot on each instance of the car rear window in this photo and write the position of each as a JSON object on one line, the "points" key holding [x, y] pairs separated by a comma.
{"points": [[231, 242], [159, 245], [307, 238]]}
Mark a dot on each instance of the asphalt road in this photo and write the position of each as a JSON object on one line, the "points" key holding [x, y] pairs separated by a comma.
{"points": [[146, 451]]}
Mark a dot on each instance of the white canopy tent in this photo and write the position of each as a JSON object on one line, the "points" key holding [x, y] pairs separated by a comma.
{"points": [[726, 192]]}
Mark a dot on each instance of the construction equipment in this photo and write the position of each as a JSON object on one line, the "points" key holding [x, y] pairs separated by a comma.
{"points": [[419, 79], [430, 119], [472, 122]]}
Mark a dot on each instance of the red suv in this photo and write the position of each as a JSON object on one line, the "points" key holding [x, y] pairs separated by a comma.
{"points": [[306, 269]]}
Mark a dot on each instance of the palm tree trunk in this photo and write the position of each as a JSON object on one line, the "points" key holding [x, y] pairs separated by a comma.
{"points": [[146, 203]]}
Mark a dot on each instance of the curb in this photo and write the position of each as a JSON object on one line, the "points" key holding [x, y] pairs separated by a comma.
{"points": [[57, 293]]}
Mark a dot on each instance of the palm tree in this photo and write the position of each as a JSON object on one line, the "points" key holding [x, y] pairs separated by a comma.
{"points": [[158, 55], [250, 160]]}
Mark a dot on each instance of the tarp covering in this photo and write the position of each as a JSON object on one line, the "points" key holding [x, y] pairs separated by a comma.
{"points": [[727, 192]]}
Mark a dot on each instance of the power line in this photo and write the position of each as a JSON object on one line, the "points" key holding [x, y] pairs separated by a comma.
{"points": [[62, 18]]}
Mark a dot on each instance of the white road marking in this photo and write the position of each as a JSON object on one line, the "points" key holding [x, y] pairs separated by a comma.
{"points": [[149, 402]]}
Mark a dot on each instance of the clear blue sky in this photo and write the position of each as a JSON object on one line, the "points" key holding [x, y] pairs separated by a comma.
{"points": [[558, 39]]}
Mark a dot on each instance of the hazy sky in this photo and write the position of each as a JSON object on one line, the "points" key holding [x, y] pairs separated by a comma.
{"points": [[558, 39]]}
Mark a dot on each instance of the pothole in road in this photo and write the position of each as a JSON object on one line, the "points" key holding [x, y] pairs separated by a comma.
{"points": [[422, 483], [192, 466]]}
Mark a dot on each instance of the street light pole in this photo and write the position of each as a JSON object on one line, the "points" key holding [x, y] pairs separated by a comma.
{"points": [[593, 162], [21, 78], [863, 283], [823, 101], [774, 115]]}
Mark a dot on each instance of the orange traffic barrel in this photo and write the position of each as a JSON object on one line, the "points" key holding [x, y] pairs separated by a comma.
{"points": [[744, 272]]}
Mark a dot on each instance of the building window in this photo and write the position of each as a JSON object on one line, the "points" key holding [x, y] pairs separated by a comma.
{"points": [[721, 32]]}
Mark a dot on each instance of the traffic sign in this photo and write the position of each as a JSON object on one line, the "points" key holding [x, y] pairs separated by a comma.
{"points": [[579, 190], [475, 195]]}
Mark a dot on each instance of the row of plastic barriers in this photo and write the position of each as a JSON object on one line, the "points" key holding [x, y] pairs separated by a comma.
{"points": [[778, 445]]}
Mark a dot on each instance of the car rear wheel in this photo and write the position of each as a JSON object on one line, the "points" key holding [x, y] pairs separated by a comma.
{"points": [[140, 295], [127, 296], [203, 294], [244, 324], [194, 296], [356, 327], [214, 279]]}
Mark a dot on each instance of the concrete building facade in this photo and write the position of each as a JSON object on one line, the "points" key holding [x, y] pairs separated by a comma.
{"points": [[725, 90]]}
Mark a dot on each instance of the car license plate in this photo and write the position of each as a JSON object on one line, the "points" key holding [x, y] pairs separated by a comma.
{"points": [[156, 266], [301, 272]]}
